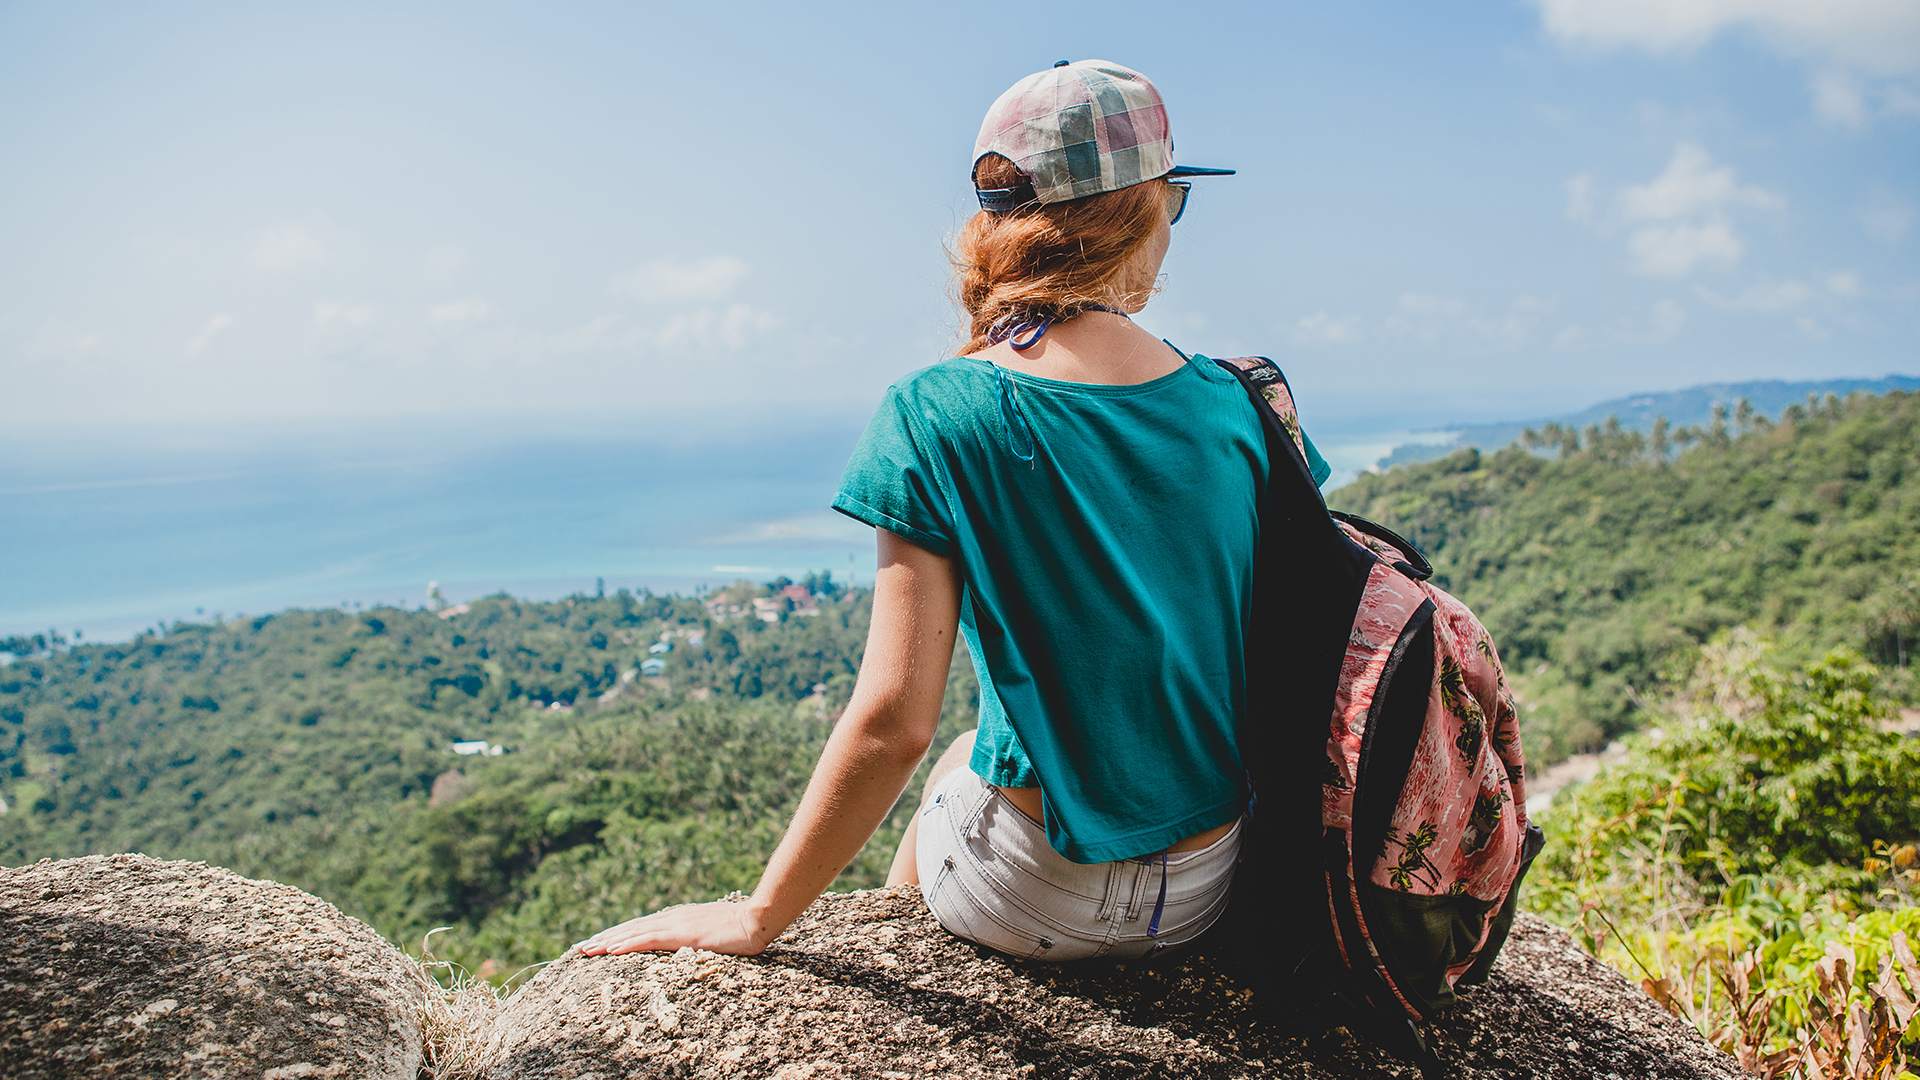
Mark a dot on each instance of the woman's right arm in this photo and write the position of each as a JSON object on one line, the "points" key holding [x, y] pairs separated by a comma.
{"points": [[872, 753]]}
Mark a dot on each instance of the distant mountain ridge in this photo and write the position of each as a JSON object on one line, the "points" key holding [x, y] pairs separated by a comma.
{"points": [[1692, 406]]}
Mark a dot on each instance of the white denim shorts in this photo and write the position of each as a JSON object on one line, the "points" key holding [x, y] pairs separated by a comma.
{"points": [[990, 876]]}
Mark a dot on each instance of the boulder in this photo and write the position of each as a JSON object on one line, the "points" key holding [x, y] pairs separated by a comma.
{"points": [[121, 965], [866, 985]]}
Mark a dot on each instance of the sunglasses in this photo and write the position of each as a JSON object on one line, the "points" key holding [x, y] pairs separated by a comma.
{"points": [[1177, 192]]}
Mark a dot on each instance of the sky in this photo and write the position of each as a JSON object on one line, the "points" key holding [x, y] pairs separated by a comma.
{"points": [[278, 218]]}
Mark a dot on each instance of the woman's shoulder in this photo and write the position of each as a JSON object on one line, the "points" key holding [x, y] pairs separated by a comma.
{"points": [[947, 390], [959, 375]]}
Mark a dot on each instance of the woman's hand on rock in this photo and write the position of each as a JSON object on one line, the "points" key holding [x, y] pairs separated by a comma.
{"points": [[720, 927]]}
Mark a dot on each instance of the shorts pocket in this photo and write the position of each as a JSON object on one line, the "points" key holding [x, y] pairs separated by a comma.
{"points": [[962, 915]]}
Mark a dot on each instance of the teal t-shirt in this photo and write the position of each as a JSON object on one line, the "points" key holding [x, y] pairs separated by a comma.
{"points": [[1105, 536]]}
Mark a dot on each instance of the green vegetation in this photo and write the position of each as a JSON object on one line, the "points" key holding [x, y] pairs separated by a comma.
{"points": [[1601, 569], [1753, 859], [313, 747], [1752, 863]]}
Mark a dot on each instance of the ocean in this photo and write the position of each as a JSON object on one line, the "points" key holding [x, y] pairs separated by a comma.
{"points": [[111, 538]]}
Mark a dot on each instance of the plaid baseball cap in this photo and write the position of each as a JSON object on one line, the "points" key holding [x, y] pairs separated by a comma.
{"points": [[1079, 129]]}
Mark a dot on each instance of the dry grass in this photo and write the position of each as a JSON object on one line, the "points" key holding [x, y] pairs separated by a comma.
{"points": [[458, 1010]]}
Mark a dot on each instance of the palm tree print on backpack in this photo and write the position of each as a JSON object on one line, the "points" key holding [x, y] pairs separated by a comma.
{"points": [[1414, 866], [1454, 695], [1331, 776], [1284, 412], [1482, 822]]}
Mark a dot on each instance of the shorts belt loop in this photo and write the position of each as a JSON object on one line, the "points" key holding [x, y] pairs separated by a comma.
{"points": [[1139, 896], [1112, 899], [969, 826]]}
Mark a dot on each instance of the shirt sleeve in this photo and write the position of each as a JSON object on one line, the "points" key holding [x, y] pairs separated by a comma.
{"points": [[893, 480], [1316, 464]]}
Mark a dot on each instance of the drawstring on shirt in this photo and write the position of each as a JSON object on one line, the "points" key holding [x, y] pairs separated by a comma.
{"points": [[1019, 435]]}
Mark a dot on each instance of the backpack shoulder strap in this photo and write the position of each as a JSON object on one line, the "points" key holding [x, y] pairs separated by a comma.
{"points": [[1267, 386]]}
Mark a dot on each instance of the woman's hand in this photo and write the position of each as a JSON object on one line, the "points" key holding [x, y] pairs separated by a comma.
{"points": [[721, 926], [867, 762]]}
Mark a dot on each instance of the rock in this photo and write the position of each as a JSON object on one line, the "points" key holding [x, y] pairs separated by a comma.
{"points": [[121, 965], [866, 985]]}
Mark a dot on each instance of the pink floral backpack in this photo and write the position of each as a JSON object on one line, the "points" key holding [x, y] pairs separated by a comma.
{"points": [[1388, 831]]}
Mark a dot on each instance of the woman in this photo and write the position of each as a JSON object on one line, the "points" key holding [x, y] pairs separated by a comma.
{"points": [[1077, 499]]}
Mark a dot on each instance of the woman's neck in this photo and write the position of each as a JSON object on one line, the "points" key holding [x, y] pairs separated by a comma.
{"points": [[1094, 347]]}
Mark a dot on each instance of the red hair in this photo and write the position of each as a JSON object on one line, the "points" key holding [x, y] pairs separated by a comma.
{"points": [[1053, 261]]}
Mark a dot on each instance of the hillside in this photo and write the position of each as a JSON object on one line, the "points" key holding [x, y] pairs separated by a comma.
{"points": [[1693, 406], [1599, 569], [650, 749], [315, 748]]}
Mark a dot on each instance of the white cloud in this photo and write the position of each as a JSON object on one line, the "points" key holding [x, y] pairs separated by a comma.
{"points": [[1665, 320], [1837, 98], [1662, 322], [458, 311], [1841, 98], [711, 328], [1674, 250], [595, 335], [205, 337], [1873, 35], [1887, 216], [670, 279], [326, 313], [1426, 319], [1680, 220], [1766, 296], [1802, 300], [817, 526], [1431, 320], [1691, 185], [1581, 199], [1843, 37], [289, 247], [1321, 328], [446, 262], [62, 343]]}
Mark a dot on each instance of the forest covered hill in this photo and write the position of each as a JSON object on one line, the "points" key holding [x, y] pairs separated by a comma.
{"points": [[1679, 408], [1601, 559], [316, 748]]}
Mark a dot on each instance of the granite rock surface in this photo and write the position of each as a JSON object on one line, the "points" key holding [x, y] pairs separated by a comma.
{"points": [[121, 965], [866, 985]]}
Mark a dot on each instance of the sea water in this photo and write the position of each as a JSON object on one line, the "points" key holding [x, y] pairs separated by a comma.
{"points": [[114, 536], [110, 542]]}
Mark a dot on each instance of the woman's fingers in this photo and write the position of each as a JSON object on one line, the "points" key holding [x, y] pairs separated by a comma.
{"points": [[716, 927]]}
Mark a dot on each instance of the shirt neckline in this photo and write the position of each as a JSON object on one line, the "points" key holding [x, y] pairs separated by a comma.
{"points": [[1191, 361]]}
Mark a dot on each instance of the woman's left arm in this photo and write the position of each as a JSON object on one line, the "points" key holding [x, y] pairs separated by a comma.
{"points": [[872, 753]]}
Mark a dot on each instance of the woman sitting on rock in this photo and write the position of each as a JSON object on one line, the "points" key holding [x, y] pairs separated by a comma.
{"points": [[1077, 499]]}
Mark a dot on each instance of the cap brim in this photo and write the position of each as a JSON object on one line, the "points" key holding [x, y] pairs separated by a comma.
{"points": [[1195, 170]]}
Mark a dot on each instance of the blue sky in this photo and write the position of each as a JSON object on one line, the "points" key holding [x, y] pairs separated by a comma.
{"points": [[274, 217]]}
